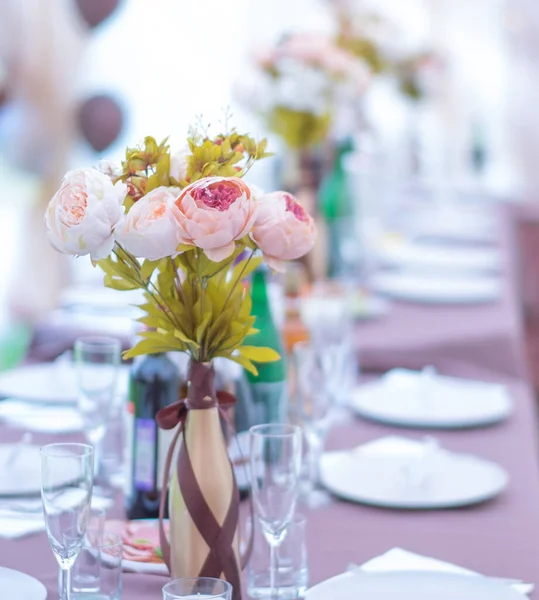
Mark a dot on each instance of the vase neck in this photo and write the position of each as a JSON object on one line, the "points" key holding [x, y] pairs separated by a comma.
{"points": [[201, 385]]}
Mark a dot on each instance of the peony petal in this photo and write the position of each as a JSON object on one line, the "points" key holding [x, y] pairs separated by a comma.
{"points": [[219, 254]]}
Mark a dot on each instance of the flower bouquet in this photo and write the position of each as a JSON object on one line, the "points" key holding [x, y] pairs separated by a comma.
{"points": [[187, 230], [302, 82]]}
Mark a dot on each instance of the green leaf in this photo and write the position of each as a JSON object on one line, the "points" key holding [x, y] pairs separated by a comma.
{"points": [[148, 267], [244, 268], [244, 362], [259, 354], [120, 284]]}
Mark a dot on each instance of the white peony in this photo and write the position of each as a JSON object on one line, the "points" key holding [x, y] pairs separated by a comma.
{"points": [[178, 163], [151, 228], [82, 215]]}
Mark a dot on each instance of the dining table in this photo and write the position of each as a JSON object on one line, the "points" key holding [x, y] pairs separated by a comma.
{"points": [[499, 537]]}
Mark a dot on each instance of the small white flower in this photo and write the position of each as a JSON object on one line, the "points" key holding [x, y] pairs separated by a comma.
{"points": [[178, 163]]}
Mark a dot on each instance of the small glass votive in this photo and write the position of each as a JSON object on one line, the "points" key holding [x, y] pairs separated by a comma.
{"points": [[97, 572], [292, 577], [197, 588]]}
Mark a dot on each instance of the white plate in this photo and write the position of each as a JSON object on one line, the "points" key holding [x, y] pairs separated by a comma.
{"points": [[40, 418], [381, 478], [411, 585], [438, 257], [20, 586], [436, 290], [49, 383], [443, 403], [21, 470]]}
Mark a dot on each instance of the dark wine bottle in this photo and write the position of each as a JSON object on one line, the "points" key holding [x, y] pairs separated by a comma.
{"points": [[154, 384]]}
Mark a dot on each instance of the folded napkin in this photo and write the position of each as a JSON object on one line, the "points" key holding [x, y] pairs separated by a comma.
{"points": [[22, 517], [398, 559], [14, 527], [39, 418]]}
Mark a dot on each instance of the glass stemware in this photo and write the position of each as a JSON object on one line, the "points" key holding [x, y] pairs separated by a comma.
{"points": [[275, 474], [97, 360], [315, 403], [67, 474]]}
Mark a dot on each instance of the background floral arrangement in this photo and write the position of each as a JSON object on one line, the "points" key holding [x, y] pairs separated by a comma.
{"points": [[301, 83], [370, 36], [185, 228]]}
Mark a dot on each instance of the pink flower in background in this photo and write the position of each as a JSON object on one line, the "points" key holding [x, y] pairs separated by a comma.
{"points": [[213, 213], [283, 230], [82, 215], [150, 229]]}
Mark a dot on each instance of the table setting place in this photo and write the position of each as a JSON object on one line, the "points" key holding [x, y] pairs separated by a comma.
{"points": [[207, 449]]}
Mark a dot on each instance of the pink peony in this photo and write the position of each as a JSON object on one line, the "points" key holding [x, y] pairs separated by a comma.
{"points": [[82, 215], [283, 230], [150, 229], [213, 213]]}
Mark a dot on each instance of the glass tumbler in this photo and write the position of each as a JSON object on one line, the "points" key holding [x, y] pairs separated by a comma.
{"points": [[97, 572], [197, 588]]}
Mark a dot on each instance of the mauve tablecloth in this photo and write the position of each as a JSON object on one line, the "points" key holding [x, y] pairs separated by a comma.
{"points": [[499, 538]]}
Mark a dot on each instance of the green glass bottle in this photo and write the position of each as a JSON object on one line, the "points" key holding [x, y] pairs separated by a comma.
{"points": [[335, 202], [263, 398]]}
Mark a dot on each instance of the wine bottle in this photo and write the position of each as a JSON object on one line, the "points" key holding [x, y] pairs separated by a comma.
{"points": [[154, 383], [336, 203], [264, 397]]}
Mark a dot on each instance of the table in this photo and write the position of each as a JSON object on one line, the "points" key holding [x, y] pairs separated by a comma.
{"points": [[499, 538]]}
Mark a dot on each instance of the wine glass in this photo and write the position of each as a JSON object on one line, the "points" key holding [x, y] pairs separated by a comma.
{"points": [[315, 403], [67, 475], [275, 475], [97, 360]]}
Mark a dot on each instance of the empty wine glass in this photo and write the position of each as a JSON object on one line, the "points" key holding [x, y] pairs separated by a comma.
{"points": [[275, 474], [97, 360], [67, 475], [315, 403]]}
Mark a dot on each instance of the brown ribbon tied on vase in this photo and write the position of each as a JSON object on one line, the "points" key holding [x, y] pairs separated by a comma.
{"points": [[221, 558]]}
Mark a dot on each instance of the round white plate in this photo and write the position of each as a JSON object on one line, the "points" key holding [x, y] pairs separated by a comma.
{"points": [[20, 465], [50, 383], [452, 406], [38, 418], [439, 257], [382, 479], [408, 585], [15, 584], [436, 290]]}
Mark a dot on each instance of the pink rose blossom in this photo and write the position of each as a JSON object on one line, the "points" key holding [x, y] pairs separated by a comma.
{"points": [[150, 229], [283, 230], [214, 212]]}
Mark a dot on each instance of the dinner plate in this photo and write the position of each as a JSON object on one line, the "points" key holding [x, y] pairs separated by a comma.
{"points": [[40, 418], [140, 537], [438, 257], [411, 479], [440, 402], [433, 289], [20, 465], [50, 383], [416, 585], [20, 586]]}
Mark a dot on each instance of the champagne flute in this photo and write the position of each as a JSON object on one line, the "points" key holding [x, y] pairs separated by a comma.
{"points": [[97, 360], [67, 475], [315, 404], [275, 475]]}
